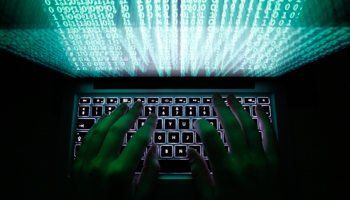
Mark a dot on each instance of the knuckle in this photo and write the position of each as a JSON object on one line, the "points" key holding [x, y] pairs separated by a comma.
{"points": [[97, 131], [114, 128]]}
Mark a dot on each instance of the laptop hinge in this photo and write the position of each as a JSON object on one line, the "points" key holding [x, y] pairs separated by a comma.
{"points": [[175, 83]]}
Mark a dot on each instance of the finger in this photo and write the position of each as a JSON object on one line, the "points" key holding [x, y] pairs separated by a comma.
{"points": [[94, 139], [270, 143], [86, 138], [233, 132], [203, 180], [132, 153], [115, 136], [248, 125], [214, 147], [149, 175]]}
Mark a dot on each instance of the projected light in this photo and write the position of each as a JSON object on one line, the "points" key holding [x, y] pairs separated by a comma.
{"points": [[105, 38]]}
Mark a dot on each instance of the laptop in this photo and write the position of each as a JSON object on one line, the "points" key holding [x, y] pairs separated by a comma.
{"points": [[172, 56]]}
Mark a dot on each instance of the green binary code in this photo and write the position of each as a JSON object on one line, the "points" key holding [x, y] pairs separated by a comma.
{"points": [[165, 38]]}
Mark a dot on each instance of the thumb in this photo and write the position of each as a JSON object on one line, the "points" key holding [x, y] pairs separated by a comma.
{"points": [[149, 175], [203, 180]]}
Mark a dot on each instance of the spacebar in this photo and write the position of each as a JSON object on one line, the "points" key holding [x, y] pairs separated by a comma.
{"points": [[168, 166], [173, 166]]}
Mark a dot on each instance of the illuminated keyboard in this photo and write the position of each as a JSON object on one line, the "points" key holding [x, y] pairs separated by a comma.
{"points": [[174, 131]]}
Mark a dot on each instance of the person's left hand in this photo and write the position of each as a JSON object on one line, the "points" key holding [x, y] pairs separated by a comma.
{"points": [[99, 172]]}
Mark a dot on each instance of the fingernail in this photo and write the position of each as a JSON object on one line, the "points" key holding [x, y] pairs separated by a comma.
{"points": [[121, 105], [152, 116], [190, 156], [216, 96], [195, 123], [138, 104], [231, 98], [258, 107]]}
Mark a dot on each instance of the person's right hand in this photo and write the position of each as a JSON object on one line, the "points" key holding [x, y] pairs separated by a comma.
{"points": [[251, 169]]}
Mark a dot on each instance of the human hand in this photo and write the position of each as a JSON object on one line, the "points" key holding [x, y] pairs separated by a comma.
{"points": [[251, 169], [99, 172]]}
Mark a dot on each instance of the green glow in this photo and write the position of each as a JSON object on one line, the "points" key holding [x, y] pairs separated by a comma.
{"points": [[250, 38]]}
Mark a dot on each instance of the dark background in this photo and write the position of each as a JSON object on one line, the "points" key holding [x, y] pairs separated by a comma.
{"points": [[317, 100]]}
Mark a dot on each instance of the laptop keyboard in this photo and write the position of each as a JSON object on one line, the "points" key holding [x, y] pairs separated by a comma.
{"points": [[174, 131]]}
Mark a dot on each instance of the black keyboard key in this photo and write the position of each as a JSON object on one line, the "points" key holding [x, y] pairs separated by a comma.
{"points": [[176, 111], [191, 111], [163, 111], [153, 100], [168, 100], [180, 151], [140, 99], [140, 123], [198, 139], [166, 151], [195, 100], [174, 166], [159, 137], [249, 100], [80, 136], [112, 100], [85, 123], [83, 111], [267, 110], [170, 124], [126, 100], [159, 124], [129, 135], [207, 100], [184, 124], [149, 110], [98, 100], [247, 108], [213, 122], [239, 99], [96, 111], [174, 137], [180, 100], [214, 112], [85, 100], [263, 100], [187, 137], [109, 109], [204, 111]]}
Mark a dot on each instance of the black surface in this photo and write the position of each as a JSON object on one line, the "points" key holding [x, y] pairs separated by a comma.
{"points": [[319, 126]]}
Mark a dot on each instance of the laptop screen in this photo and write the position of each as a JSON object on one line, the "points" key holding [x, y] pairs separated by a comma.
{"points": [[174, 38]]}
